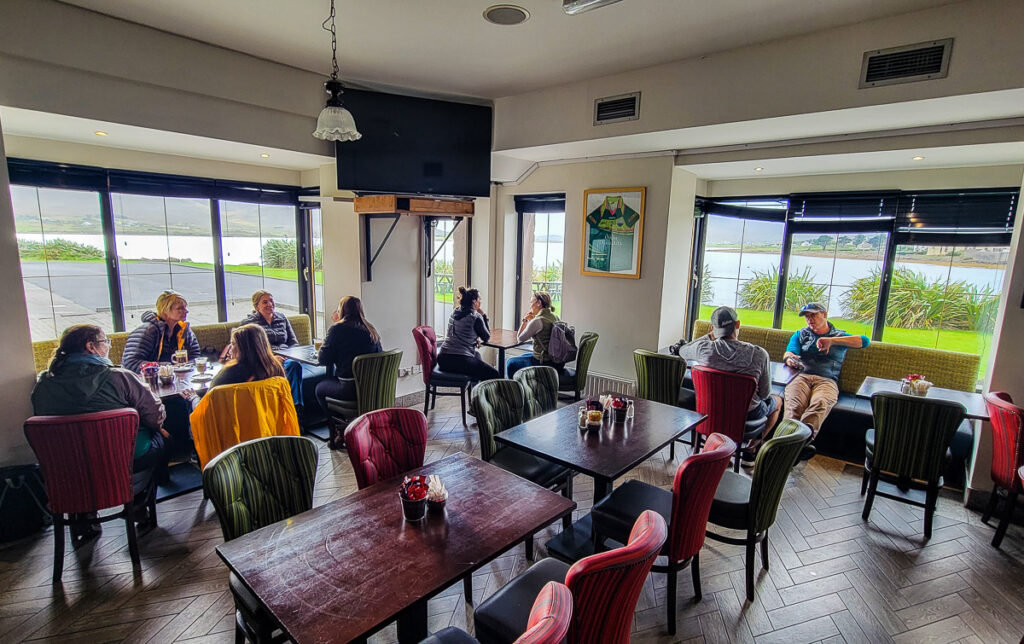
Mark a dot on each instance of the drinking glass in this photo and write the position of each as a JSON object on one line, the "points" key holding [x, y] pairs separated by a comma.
{"points": [[180, 356], [201, 364]]}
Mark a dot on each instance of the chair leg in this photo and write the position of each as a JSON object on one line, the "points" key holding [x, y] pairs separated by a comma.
{"points": [[864, 481], [58, 547], [750, 566], [672, 451], [239, 633], [426, 400], [433, 399], [993, 500], [695, 573], [462, 399], [567, 493], [1004, 523], [764, 550], [930, 499], [671, 592], [736, 460], [872, 486], [467, 588], [133, 541], [529, 547]]}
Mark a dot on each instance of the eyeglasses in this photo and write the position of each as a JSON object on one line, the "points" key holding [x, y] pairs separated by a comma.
{"points": [[103, 341]]}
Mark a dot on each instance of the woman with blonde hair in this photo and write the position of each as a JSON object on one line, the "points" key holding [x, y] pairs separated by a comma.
{"points": [[536, 326], [352, 335], [251, 358]]}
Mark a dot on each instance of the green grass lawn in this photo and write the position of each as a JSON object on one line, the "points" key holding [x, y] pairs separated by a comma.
{"points": [[950, 340], [249, 269]]}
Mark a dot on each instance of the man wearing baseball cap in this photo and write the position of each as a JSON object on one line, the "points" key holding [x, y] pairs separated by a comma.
{"points": [[721, 349], [817, 350]]}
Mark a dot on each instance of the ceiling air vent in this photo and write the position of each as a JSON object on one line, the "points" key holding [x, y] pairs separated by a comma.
{"points": [[906, 64], [612, 109]]}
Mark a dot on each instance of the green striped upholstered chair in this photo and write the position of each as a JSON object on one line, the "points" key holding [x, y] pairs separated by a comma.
{"points": [[255, 484], [500, 404], [575, 380], [659, 377], [540, 384], [750, 504], [376, 376], [909, 442]]}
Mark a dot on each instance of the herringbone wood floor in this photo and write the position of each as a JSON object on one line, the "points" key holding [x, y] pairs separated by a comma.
{"points": [[833, 577]]}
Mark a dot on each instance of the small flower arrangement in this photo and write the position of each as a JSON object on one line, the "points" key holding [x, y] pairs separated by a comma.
{"points": [[914, 377], [414, 488], [915, 384]]}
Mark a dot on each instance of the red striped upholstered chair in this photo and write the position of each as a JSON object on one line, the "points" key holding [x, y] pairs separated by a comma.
{"points": [[385, 443], [86, 462], [725, 397], [605, 588], [549, 620], [686, 508], [1007, 457], [434, 378]]}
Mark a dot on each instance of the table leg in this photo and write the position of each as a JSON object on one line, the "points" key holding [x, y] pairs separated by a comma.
{"points": [[602, 488], [412, 623], [501, 361]]}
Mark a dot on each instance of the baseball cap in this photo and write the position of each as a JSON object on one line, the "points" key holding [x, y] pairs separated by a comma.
{"points": [[812, 307], [723, 321]]}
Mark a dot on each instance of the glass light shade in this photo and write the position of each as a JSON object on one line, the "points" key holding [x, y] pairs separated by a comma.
{"points": [[336, 124]]}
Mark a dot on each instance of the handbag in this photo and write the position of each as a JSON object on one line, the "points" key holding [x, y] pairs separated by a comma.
{"points": [[23, 502]]}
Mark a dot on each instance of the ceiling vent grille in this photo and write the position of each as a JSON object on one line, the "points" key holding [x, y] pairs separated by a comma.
{"points": [[612, 109], [906, 64]]}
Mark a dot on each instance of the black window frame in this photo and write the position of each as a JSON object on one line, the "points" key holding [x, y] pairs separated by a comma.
{"points": [[532, 204]]}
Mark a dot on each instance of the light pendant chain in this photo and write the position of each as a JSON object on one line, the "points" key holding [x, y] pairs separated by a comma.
{"points": [[334, 41]]}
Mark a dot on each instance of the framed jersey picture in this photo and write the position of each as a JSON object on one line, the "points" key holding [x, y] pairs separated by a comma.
{"points": [[613, 232]]}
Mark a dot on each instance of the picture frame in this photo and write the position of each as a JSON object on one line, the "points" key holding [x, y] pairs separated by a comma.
{"points": [[613, 230]]}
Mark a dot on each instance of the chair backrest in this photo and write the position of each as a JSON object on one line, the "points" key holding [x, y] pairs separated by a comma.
{"points": [[550, 616], [231, 414], [587, 344], [85, 459], [1007, 439], [774, 462], [692, 493], [499, 404], [260, 482], [605, 586], [540, 384], [385, 443], [912, 433], [376, 376], [725, 397], [658, 377], [426, 349]]}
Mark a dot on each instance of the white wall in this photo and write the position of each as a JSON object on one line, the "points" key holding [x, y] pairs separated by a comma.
{"points": [[625, 312], [18, 373]]}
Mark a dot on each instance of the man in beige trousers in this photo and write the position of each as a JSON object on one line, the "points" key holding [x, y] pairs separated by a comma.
{"points": [[817, 350]]}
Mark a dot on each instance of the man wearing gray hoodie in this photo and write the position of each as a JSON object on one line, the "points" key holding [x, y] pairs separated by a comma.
{"points": [[721, 349]]}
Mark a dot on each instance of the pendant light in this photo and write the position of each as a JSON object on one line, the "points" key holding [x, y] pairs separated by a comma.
{"points": [[335, 123]]}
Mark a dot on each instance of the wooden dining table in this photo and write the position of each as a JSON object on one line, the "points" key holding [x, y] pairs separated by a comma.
{"points": [[344, 570], [604, 454], [502, 339], [187, 380], [972, 401]]}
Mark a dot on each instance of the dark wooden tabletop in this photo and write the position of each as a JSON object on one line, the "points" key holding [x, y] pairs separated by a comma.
{"points": [[184, 380], [781, 374], [344, 569], [609, 452], [305, 353], [503, 339], [974, 402]]}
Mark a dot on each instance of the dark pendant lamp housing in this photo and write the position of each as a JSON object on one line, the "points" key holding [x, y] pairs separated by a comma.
{"points": [[335, 123]]}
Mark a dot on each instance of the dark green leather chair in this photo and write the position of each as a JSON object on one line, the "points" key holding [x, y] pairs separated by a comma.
{"points": [[255, 484], [540, 384], [659, 377], [575, 380], [376, 376], [909, 443], [750, 504]]}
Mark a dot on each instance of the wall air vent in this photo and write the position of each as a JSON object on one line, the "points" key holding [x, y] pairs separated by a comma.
{"points": [[906, 64], [612, 109]]}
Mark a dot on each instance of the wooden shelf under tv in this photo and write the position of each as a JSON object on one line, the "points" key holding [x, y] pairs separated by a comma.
{"points": [[413, 205]]}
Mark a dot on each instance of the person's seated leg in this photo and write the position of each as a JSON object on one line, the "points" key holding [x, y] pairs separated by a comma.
{"points": [[519, 362], [797, 396], [179, 447], [482, 371], [148, 470]]}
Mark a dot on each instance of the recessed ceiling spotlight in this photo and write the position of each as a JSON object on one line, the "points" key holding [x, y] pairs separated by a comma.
{"points": [[918, 158], [758, 169], [100, 133], [506, 15], [264, 156]]}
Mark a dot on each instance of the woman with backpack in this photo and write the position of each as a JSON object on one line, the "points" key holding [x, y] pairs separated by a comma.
{"points": [[536, 326], [467, 326]]}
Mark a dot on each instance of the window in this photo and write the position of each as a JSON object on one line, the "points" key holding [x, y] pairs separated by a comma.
{"points": [[316, 234], [164, 243], [259, 253], [541, 249], [741, 267], [442, 249], [61, 244]]}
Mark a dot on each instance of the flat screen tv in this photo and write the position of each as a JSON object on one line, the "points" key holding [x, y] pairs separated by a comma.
{"points": [[416, 146]]}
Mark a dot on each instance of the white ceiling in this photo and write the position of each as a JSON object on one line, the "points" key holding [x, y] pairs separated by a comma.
{"points": [[445, 46]]}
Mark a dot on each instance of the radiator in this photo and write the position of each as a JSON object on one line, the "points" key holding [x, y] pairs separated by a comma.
{"points": [[598, 383]]}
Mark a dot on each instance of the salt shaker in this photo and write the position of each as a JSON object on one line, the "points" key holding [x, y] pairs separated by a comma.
{"points": [[582, 420], [629, 410]]}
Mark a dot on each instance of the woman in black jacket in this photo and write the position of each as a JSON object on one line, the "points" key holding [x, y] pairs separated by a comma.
{"points": [[351, 336]]}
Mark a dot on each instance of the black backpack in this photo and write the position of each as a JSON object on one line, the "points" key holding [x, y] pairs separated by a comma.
{"points": [[22, 502]]}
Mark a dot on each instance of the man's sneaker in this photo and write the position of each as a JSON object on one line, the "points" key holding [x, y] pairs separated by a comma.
{"points": [[747, 459], [808, 452]]}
